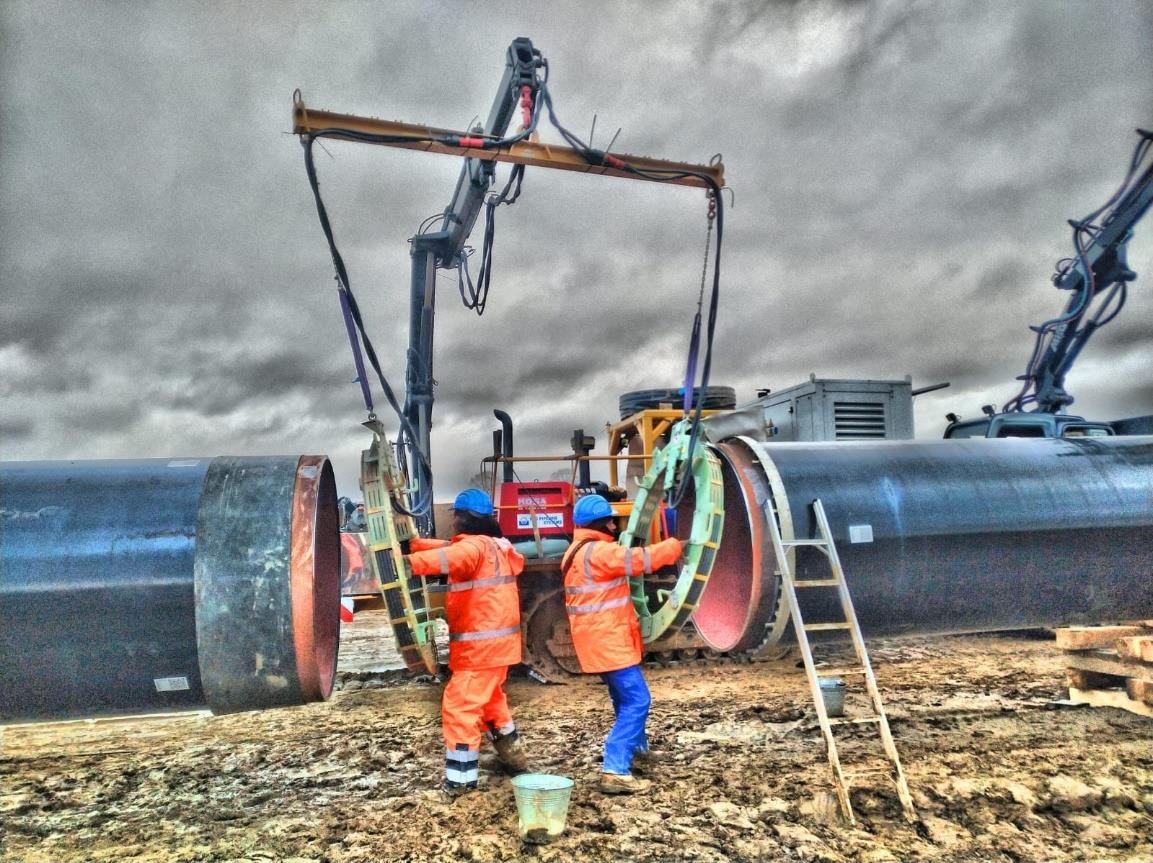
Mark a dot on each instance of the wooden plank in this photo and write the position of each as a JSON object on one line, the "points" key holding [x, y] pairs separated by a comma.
{"points": [[1075, 678], [1089, 637], [1139, 690], [1139, 647], [1105, 663], [1109, 698]]}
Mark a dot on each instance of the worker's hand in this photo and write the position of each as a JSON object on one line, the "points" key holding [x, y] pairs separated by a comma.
{"points": [[436, 583]]}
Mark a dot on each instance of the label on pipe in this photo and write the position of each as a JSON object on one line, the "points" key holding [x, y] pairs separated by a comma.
{"points": [[170, 684]]}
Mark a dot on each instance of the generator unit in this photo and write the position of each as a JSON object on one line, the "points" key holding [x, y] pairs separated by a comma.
{"points": [[526, 508], [828, 409]]}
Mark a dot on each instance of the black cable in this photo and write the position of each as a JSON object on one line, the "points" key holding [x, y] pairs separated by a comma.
{"points": [[407, 439], [1119, 290], [478, 293], [427, 222], [600, 158], [422, 506], [475, 296]]}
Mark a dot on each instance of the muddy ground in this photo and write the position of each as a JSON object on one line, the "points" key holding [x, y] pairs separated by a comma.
{"points": [[997, 770]]}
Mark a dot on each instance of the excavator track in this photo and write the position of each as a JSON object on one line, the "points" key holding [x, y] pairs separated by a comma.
{"points": [[549, 653]]}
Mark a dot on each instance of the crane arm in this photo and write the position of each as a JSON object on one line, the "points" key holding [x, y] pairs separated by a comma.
{"points": [[307, 121], [444, 248], [476, 176], [1096, 278]]}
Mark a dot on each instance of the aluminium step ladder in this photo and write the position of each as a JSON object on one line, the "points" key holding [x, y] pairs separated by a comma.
{"points": [[790, 584]]}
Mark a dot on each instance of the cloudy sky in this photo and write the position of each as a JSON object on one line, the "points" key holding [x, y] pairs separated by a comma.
{"points": [[902, 175]]}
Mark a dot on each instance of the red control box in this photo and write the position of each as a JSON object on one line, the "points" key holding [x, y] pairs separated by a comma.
{"points": [[549, 502]]}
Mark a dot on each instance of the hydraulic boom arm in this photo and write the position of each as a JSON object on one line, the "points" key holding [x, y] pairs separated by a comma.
{"points": [[443, 248], [1096, 278]]}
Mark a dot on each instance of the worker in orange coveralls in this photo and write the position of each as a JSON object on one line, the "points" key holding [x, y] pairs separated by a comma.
{"points": [[606, 633], [483, 611]]}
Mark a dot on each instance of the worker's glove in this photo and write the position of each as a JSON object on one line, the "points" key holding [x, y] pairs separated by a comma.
{"points": [[436, 583]]}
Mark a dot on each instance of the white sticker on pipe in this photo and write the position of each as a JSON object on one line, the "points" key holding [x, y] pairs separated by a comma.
{"points": [[860, 533], [188, 462], [170, 684]]}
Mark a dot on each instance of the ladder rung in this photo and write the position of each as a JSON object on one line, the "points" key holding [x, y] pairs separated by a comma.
{"points": [[837, 672], [791, 543], [826, 627], [877, 771], [816, 582], [863, 720]]}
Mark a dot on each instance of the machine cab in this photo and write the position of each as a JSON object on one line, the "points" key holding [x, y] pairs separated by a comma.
{"points": [[1020, 424]]}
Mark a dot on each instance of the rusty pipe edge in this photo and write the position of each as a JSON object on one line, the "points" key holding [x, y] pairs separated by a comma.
{"points": [[267, 582], [315, 577]]}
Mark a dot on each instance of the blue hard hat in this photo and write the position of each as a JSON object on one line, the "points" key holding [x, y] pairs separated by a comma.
{"points": [[475, 501], [590, 508]]}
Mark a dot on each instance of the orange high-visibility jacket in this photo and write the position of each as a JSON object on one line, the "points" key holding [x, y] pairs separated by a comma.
{"points": [[605, 631], [482, 605]]}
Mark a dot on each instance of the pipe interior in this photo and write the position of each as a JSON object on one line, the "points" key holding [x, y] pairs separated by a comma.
{"points": [[325, 612], [723, 612]]}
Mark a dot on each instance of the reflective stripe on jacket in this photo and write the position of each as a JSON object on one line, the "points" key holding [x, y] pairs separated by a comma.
{"points": [[482, 605], [605, 631]]}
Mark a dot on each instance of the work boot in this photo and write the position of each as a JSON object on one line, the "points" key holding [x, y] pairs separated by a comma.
{"points": [[511, 752], [626, 783], [453, 790]]}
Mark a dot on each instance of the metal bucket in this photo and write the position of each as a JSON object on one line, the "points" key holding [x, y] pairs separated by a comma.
{"points": [[833, 694], [541, 805]]}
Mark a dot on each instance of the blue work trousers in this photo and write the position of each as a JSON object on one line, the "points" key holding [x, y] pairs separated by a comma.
{"points": [[631, 700]]}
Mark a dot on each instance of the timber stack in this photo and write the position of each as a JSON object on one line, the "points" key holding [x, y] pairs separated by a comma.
{"points": [[1110, 666]]}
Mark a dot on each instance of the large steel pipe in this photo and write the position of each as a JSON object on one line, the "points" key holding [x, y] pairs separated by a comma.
{"points": [[940, 536], [167, 584]]}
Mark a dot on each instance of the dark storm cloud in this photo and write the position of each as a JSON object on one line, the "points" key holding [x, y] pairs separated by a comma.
{"points": [[1140, 394], [1122, 334], [1000, 277], [218, 385], [902, 173], [40, 330], [54, 304], [111, 417], [14, 430], [49, 378]]}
